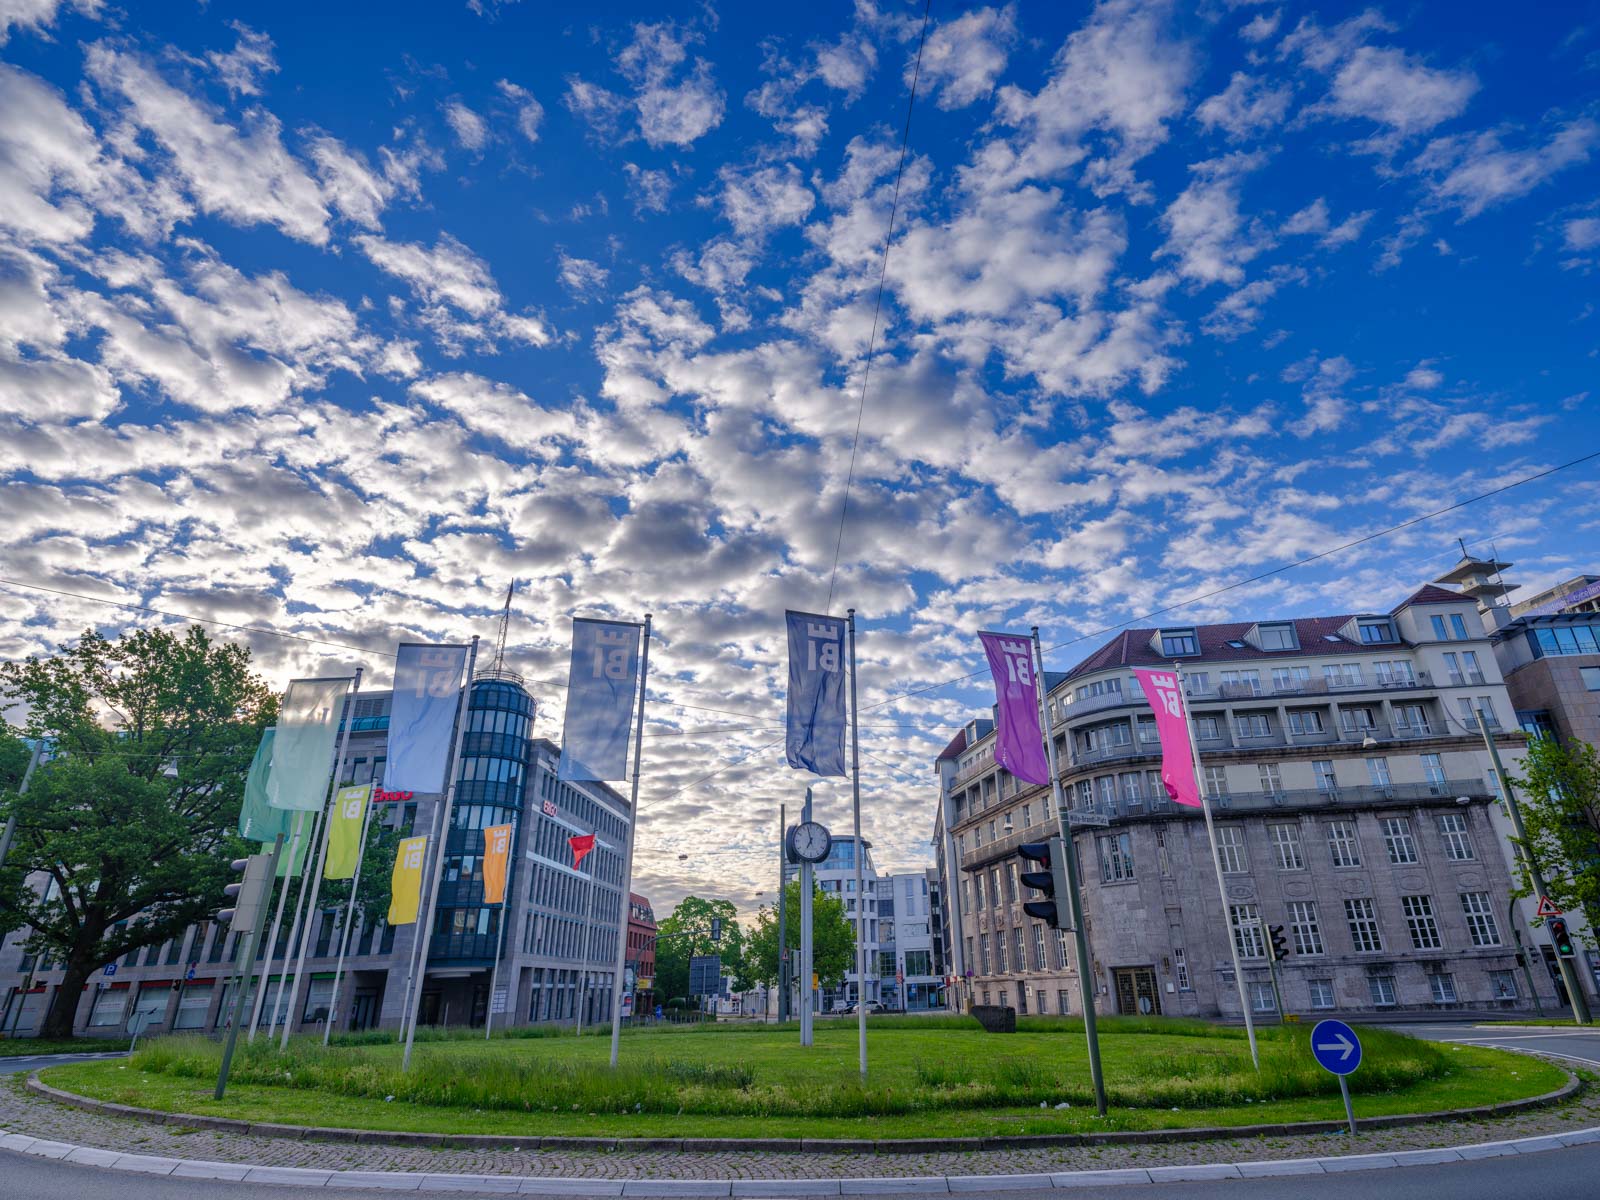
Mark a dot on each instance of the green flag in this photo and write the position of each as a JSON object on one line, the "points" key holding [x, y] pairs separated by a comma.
{"points": [[296, 844], [344, 831], [258, 820]]}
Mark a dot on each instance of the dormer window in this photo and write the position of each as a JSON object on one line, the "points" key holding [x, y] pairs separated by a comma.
{"points": [[1277, 637], [1176, 643], [1376, 630]]}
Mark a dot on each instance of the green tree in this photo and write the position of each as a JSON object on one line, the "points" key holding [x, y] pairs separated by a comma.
{"points": [[833, 939], [1560, 793], [132, 821], [686, 932]]}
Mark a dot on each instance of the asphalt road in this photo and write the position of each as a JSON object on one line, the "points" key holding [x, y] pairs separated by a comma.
{"points": [[1558, 1173], [10, 1065]]}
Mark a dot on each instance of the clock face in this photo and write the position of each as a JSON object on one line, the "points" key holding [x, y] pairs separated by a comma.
{"points": [[810, 842]]}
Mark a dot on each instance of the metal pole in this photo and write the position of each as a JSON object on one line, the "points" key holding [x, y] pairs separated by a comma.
{"points": [[434, 832], [10, 831], [1069, 851], [1511, 924], [1272, 966], [1569, 975], [349, 923], [348, 718], [783, 920], [861, 896], [294, 930], [1216, 861], [421, 971], [500, 942], [1349, 1113], [628, 841], [246, 958], [807, 991], [277, 922], [588, 944]]}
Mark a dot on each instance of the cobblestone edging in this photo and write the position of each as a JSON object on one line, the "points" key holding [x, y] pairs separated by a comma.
{"points": [[459, 1141]]}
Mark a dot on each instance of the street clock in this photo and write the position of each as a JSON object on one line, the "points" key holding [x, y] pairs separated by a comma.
{"points": [[808, 842]]}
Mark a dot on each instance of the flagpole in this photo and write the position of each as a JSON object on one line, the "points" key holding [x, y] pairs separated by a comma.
{"points": [[588, 943], [349, 921], [429, 839], [500, 942], [861, 899], [272, 938], [1069, 852], [294, 926], [627, 851], [421, 970], [1216, 861], [348, 719]]}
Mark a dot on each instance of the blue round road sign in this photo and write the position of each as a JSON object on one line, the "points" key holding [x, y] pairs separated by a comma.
{"points": [[1336, 1047]]}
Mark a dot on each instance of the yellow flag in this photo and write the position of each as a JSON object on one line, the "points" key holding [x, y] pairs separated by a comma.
{"points": [[496, 852], [344, 831], [405, 886]]}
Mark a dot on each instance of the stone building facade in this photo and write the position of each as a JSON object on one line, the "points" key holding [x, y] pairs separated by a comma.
{"points": [[1354, 804]]}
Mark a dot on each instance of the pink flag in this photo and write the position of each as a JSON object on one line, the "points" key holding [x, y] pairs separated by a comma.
{"points": [[1019, 746], [1172, 724]]}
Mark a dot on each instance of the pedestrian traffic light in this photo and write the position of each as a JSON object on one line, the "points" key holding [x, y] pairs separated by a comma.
{"points": [[1050, 880], [1279, 944], [249, 895], [1560, 938]]}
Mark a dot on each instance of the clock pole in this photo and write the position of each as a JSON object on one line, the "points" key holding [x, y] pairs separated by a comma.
{"points": [[807, 993], [783, 915]]}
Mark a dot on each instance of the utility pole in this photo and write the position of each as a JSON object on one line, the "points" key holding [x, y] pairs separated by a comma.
{"points": [[1569, 974], [783, 920]]}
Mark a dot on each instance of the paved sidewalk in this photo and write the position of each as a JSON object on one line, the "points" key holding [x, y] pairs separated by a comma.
{"points": [[31, 1116]]}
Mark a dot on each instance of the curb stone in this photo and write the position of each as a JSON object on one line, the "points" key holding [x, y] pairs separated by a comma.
{"points": [[456, 1141]]}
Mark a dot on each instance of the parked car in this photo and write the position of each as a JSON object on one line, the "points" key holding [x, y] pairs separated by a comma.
{"points": [[872, 1007]]}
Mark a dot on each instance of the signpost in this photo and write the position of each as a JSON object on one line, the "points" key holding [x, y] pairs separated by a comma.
{"points": [[1337, 1050]]}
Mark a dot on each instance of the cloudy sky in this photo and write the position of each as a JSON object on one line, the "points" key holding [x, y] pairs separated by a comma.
{"points": [[337, 321]]}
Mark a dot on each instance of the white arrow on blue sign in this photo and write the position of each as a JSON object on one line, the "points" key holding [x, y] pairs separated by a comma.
{"points": [[1336, 1047]]}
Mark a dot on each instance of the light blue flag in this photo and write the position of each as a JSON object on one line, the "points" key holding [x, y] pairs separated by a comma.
{"points": [[302, 750], [427, 689], [600, 689], [814, 740]]}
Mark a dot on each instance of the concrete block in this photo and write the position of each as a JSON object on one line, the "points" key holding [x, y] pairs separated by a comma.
{"points": [[1486, 1150], [1582, 1137], [571, 1187], [398, 1181], [290, 1176], [786, 1187], [678, 1187], [1422, 1158], [1077, 1179], [1288, 1166], [1537, 1145], [48, 1149], [148, 1164], [291, 1133], [889, 1186], [1183, 1171], [91, 1157], [997, 1183], [1358, 1162], [471, 1183], [16, 1141], [191, 1168]]}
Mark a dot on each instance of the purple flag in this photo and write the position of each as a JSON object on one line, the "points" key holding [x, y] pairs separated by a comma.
{"points": [[1019, 745]]}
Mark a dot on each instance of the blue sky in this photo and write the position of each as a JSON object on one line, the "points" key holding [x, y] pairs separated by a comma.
{"points": [[337, 318]]}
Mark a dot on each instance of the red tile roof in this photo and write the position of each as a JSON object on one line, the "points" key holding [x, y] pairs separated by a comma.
{"points": [[1429, 594], [956, 746]]}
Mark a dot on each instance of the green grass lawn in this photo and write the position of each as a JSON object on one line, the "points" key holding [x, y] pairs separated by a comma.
{"points": [[939, 1081]]}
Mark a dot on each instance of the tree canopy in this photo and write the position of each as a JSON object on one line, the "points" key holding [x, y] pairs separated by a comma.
{"points": [[833, 939], [686, 932], [1560, 793], [132, 820]]}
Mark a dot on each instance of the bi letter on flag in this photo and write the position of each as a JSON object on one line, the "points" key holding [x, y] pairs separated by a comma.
{"points": [[1019, 746], [427, 685], [344, 831], [815, 738], [1172, 725], [496, 854], [405, 885], [601, 683], [302, 749]]}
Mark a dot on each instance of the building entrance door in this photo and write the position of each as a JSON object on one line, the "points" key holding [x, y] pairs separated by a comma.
{"points": [[1137, 994], [364, 1011]]}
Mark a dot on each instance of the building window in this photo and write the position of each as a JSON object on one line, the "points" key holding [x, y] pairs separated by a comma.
{"points": [[1363, 921], [1116, 857], [1381, 988], [1286, 841], [1457, 841], [1342, 675], [1253, 725], [1304, 928], [1480, 919], [983, 955], [1178, 642], [1410, 719], [1376, 632], [1342, 844], [1231, 849], [1241, 683], [1591, 678], [1305, 720], [977, 891], [1216, 781], [1038, 947], [1503, 985], [1394, 673], [1433, 772], [1278, 637], [1002, 956], [1378, 772], [1291, 679], [1397, 840], [1061, 949], [1246, 922], [1018, 957], [1443, 987], [1027, 815], [1327, 779], [1271, 781], [1180, 967], [1207, 729], [1321, 993], [1262, 999], [1419, 920], [1063, 1001]]}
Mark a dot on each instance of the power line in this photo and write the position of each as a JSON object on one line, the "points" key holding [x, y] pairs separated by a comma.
{"points": [[877, 305]]}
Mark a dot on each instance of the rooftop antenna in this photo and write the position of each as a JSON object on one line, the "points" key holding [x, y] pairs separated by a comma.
{"points": [[1462, 543], [505, 620]]}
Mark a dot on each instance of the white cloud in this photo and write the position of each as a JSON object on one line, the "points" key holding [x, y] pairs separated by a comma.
{"points": [[1582, 233], [38, 14], [1261, 26], [1476, 173], [1388, 86], [675, 102], [243, 69], [963, 58], [586, 280], [449, 273], [1206, 233], [648, 188], [1327, 407], [471, 130], [846, 65], [1238, 312], [1314, 220], [497, 410], [1246, 107], [764, 199], [530, 113], [349, 183]]}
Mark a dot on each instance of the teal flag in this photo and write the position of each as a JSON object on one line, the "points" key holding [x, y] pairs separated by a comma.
{"points": [[258, 820], [302, 750]]}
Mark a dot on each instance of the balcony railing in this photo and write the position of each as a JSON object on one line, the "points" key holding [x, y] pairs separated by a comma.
{"points": [[1359, 794]]}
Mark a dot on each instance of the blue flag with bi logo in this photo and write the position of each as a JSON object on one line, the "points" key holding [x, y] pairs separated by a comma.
{"points": [[601, 683], [815, 739]]}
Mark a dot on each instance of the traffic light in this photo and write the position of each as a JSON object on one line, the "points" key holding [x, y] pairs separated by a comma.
{"points": [[1279, 943], [1560, 938], [249, 895], [716, 929], [1051, 880]]}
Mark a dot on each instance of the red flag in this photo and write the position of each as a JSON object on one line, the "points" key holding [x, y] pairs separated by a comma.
{"points": [[581, 845]]}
